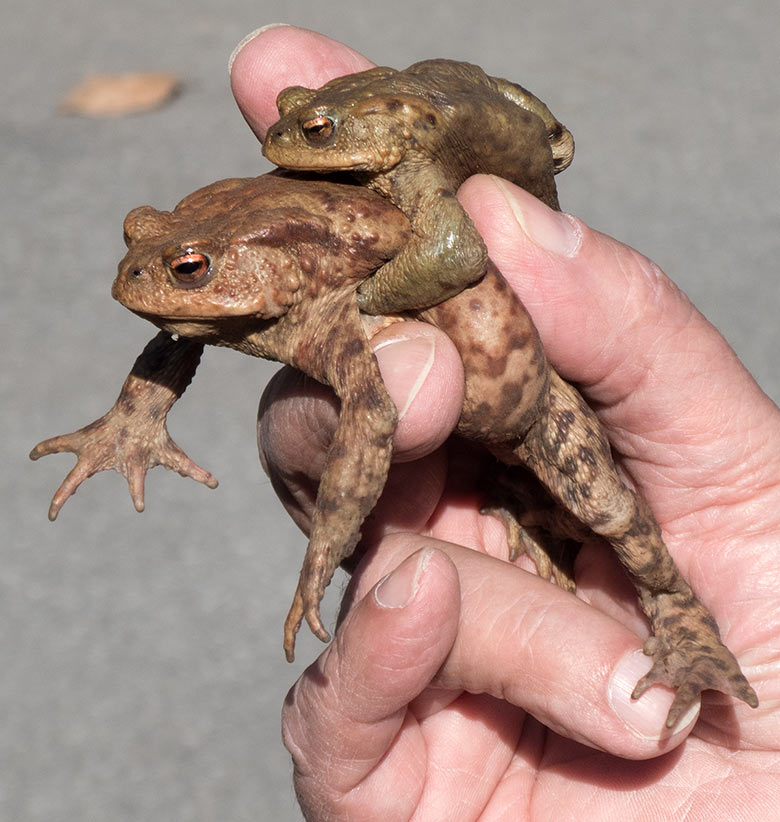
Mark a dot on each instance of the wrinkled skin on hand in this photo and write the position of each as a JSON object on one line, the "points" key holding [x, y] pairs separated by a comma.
{"points": [[414, 136], [270, 266]]}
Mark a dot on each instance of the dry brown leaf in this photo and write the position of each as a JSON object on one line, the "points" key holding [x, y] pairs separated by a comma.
{"points": [[107, 95]]}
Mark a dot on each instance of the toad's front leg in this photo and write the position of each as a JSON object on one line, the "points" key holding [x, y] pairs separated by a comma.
{"points": [[444, 255], [132, 437]]}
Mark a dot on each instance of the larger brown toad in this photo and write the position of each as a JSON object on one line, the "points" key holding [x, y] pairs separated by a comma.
{"points": [[414, 136], [270, 266]]}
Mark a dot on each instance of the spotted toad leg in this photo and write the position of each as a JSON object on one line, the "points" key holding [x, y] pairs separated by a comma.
{"points": [[570, 454], [535, 524], [444, 255], [507, 379], [561, 141], [132, 437], [355, 473]]}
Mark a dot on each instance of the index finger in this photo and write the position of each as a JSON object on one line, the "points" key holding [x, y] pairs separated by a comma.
{"points": [[274, 57], [534, 645]]}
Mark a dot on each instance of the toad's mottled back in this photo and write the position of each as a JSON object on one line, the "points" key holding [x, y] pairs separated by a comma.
{"points": [[414, 136]]}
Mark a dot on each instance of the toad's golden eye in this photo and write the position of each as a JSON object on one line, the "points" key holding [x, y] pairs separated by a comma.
{"points": [[191, 269], [318, 131]]}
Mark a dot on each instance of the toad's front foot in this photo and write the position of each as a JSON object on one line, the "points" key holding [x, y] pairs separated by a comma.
{"points": [[693, 662], [113, 442]]}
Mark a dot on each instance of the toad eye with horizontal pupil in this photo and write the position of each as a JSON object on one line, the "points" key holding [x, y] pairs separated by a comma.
{"points": [[318, 130], [191, 269]]}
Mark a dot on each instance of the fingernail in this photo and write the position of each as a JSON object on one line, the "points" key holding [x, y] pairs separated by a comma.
{"points": [[644, 716], [411, 363], [554, 231], [248, 39], [398, 588]]}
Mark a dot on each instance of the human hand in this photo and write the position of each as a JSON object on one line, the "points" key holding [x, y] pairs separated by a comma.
{"points": [[462, 687]]}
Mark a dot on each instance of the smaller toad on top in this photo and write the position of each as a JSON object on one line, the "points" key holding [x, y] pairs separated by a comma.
{"points": [[414, 136]]}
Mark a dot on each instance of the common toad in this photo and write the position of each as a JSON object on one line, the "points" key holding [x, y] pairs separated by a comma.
{"points": [[414, 136], [270, 266]]}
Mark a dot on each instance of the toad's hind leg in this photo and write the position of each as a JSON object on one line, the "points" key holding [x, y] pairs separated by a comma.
{"points": [[535, 524], [356, 468], [353, 479], [570, 454], [561, 140]]}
